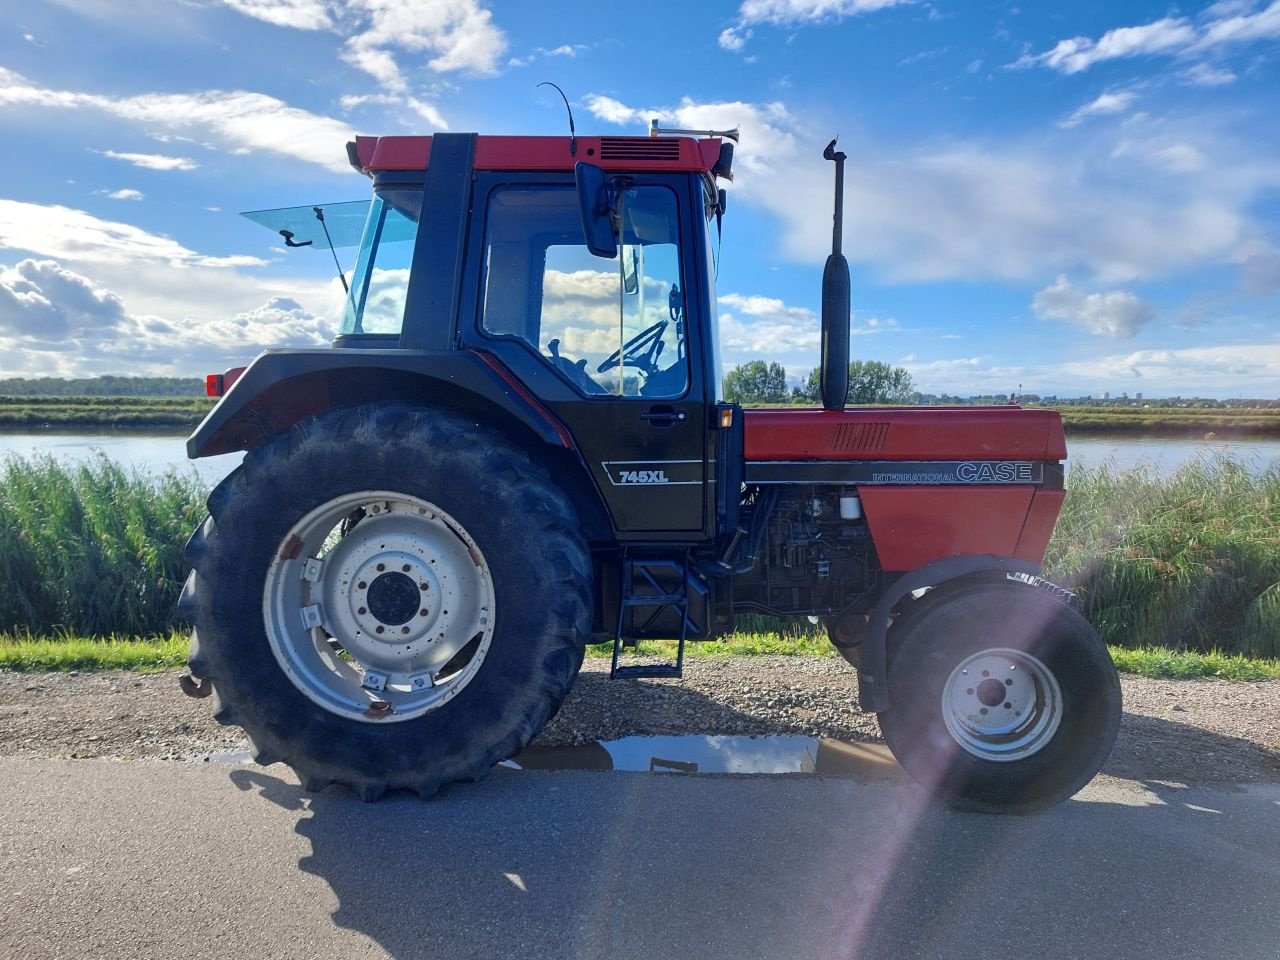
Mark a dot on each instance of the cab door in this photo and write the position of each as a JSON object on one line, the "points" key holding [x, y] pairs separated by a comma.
{"points": [[605, 343]]}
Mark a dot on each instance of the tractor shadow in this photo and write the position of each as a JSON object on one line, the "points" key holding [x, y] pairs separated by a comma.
{"points": [[563, 864]]}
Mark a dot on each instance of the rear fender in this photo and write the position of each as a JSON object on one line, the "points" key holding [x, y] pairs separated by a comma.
{"points": [[873, 690], [284, 387]]}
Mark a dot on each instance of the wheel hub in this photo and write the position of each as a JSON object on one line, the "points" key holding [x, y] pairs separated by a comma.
{"points": [[370, 610], [1002, 704], [393, 598]]}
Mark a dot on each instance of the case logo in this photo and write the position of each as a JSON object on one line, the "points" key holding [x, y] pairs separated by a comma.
{"points": [[994, 473]]}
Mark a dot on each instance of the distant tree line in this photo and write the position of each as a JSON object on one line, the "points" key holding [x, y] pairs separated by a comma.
{"points": [[870, 381], [106, 386]]}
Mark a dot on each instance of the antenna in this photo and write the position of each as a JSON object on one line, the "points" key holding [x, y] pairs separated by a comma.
{"points": [[573, 137]]}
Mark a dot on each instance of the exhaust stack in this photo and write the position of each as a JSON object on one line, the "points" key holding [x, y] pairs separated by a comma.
{"points": [[834, 374]]}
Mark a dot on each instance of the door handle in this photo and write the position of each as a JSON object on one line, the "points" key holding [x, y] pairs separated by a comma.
{"points": [[664, 416]]}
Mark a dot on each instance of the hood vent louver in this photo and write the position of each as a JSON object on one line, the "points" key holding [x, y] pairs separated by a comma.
{"points": [[860, 436], [639, 148]]}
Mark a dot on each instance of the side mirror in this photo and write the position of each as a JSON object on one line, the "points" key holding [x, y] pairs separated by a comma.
{"points": [[593, 205]]}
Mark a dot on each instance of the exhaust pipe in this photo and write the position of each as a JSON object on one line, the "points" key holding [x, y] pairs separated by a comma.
{"points": [[834, 374]]}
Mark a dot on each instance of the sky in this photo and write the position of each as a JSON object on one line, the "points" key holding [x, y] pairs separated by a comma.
{"points": [[1062, 198]]}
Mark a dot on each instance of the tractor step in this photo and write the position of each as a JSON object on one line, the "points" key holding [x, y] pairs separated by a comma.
{"points": [[642, 670], [644, 585]]}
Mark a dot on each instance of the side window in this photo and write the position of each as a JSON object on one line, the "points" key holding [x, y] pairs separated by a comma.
{"points": [[611, 327]]}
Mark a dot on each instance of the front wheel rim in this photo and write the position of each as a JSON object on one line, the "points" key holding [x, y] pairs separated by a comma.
{"points": [[1002, 705], [379, 606]]}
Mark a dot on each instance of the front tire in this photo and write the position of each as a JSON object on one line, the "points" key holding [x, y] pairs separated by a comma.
{"points": [[1002, 698], [388, 597]]}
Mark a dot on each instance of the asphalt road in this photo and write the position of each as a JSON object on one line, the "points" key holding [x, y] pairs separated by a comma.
{"points": [[170, 860]]}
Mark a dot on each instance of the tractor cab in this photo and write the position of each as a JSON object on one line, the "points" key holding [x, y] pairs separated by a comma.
{"points": [[616, 337]]}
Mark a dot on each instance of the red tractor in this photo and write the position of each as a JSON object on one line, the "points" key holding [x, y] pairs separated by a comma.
{"points": [[518, 445]]}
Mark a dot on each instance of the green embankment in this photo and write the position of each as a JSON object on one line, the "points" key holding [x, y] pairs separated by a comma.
{"points": [[1223, 422], [176, 413], [1174, 566]]}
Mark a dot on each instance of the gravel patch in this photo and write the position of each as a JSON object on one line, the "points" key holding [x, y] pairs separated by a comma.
{"points": [[1187, 731]]}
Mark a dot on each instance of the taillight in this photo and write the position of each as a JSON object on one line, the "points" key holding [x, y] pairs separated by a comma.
{"points": [[216, 384]]}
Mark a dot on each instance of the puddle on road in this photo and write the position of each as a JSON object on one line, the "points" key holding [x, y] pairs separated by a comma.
{"points": [[692, 754]]}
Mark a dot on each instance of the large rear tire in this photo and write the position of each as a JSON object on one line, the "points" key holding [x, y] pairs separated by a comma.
{"points": [[388, 598], [1002, 697]]}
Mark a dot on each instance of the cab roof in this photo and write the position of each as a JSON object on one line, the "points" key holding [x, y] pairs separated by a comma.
{"points": [[375, 154]]}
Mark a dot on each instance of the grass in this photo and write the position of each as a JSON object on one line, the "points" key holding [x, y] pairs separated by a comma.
{"points": [[1185, 664], [24, 652]]}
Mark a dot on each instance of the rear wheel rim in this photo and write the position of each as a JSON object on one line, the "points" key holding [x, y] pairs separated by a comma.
{"points": [[379, 606], [1002, 705]]}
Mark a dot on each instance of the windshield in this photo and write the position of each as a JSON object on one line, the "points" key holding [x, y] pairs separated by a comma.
{"points": [[375, 303]]}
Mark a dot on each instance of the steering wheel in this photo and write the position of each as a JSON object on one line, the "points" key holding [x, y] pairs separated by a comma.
{"points": [[640, 351]]}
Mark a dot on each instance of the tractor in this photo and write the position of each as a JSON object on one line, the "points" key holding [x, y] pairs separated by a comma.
{"points": [[517, 445]]}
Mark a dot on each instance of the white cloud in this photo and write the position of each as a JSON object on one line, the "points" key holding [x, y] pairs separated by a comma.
{"points": [[1105, 104], [754, 327], [427, 111], [456, 35], [54, 320], [1179, 158], [1214, 370], [77, 236], [570, 50], [43, 302], [1221, 26], [734, 40], [1164, 156], [1204, 75], [787, 13], [1080, 53], [126, 193], [299, 14], [1117, 313], [612, 111], [237, 120], [1188, 371], [153, 161], [1242, 28]]}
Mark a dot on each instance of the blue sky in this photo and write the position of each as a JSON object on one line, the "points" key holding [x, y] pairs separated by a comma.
{"points": [[1071, 197]]}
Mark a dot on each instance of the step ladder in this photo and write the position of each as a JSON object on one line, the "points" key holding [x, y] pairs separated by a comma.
{"points": [[641, 573]]}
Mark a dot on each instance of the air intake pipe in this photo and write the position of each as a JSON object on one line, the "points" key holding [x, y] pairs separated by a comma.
{"points": [[835, 302]]}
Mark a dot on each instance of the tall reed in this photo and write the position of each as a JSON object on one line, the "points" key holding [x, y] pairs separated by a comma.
{"points": [[92, 549], [1188, 561]]}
